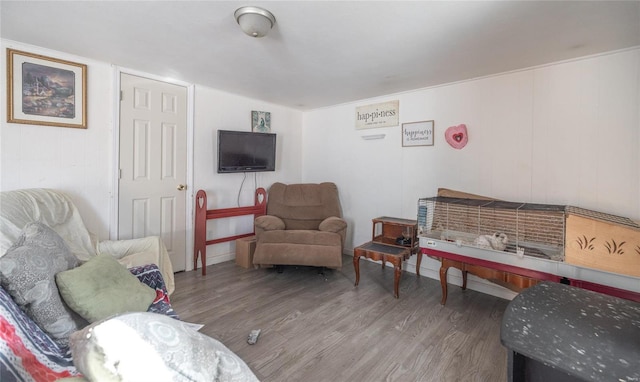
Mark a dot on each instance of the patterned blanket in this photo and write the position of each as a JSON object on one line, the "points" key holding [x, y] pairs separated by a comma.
{"points": [[28, 354]]}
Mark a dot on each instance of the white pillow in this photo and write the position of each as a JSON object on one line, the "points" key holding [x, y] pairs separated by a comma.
{"points": [[153, 347]]}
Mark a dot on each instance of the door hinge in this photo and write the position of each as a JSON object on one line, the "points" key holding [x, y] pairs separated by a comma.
{"points": [[120, 173], [121, 95]]}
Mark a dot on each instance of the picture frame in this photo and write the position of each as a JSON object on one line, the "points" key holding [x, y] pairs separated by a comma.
{"points": [[46, 91], [417, 133], [385, 114], [260, 121]]}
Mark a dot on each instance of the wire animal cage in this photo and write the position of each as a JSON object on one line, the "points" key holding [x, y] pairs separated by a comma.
{"points": [[531, 229]]}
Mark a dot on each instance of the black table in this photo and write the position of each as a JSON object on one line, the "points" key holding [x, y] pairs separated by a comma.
{"points": [[556, 332]]}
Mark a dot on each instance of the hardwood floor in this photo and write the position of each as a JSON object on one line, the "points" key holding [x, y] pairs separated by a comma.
{"points": [[319, 327]]}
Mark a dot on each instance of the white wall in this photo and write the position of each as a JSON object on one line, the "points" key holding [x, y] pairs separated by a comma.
{"points": [[216, 110], [567, 133], [76, 161]]}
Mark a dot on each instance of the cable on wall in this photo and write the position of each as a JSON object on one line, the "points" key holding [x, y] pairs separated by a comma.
{"points": [[240, 190]]}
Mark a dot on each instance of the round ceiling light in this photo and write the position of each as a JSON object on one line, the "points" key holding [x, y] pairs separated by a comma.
{"points": [[254, 21]]}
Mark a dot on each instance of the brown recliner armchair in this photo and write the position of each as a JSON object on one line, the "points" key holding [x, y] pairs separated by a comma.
{"points": [[303, 226]]}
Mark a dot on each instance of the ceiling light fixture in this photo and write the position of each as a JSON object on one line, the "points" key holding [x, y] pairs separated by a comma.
{"points": [[254, 21]]}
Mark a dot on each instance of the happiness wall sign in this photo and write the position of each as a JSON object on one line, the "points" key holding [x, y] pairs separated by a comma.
{"points": [[378, 115]]}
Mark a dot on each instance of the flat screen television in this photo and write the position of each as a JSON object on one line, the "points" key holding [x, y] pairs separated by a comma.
{"points": [[244, 151]]}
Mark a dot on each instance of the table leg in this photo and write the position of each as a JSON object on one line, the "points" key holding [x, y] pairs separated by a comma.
{"points": [[396, 279], [443, 282], [418, 261], [396, 261], [464, 280], [356, 266]]}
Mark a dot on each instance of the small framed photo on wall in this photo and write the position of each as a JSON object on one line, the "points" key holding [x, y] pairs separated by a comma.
{"points": [[417, 133], [260, 121]]}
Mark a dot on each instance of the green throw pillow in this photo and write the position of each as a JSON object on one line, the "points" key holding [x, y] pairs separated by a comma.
{"points": [[101, 288]]}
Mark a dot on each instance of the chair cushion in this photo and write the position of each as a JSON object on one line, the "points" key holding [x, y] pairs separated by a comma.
{"points": [[102, 287], [300, 249], [301, 237], [27, 273], [153, 347], [303, 206]]}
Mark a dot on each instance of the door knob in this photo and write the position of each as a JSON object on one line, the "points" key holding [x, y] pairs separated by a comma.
{"points": [[182, 187]]}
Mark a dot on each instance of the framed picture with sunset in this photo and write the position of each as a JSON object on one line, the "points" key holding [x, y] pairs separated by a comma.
{"points": [[45, 91]]}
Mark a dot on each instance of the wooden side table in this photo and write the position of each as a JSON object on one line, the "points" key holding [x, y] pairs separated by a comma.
{"points": [[393, 240], [382, 252], [389, 230]]}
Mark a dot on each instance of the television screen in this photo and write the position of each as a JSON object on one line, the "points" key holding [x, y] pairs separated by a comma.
{"points": [[243, 151]]}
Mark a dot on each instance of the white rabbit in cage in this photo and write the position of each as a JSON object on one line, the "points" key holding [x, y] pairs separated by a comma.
{"points": [[497, 241]]}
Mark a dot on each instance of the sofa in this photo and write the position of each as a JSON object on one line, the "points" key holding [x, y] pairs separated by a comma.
{"points": [[69, 309], [303, 226]]}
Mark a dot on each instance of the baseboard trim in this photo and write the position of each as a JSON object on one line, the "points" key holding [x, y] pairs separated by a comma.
{"points": [[220, 258]]}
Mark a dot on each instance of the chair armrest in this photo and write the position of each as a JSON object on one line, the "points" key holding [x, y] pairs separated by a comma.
{"points": [[333, 224], [267, 223], [336, 225], [141, 248]]}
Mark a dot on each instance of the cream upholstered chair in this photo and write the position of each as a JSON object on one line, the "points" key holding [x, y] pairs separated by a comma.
{"points": [[303, 226], [57, 211]]}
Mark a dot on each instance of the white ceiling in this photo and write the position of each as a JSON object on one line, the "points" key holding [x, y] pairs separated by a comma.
{"points": [[323, 53]]}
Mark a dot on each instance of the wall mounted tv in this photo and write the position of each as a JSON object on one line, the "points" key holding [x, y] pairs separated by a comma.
{"points": [[243, 151]]}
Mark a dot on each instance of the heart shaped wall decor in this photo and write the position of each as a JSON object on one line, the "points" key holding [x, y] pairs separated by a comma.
{"points": [[457, 136]]}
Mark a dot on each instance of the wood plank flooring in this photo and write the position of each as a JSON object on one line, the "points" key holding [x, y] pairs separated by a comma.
{"points": [[319, 327]]}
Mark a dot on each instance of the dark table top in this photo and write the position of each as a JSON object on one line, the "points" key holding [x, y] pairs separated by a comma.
{"points": [[384, 248], [586, 334]]}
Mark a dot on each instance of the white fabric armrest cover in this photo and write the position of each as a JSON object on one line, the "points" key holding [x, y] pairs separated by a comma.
{"points": [[137, 252]]}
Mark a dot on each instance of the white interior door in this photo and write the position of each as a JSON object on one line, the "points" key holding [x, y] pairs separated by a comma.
{"points": [[153, 163]]}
